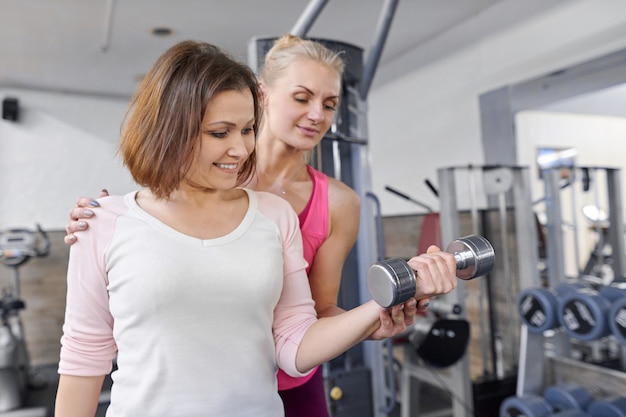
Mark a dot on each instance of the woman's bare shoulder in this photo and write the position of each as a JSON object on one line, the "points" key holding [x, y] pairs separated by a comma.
{"points": [[341, 197]]}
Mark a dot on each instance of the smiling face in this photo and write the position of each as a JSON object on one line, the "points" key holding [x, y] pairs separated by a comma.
{"points": [[227, 139], [300, 105]]}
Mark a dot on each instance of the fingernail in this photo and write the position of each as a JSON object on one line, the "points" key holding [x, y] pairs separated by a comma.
{"points": [[88, 212], [94, 203], [82, 224], [71, 238], [426, 304]]}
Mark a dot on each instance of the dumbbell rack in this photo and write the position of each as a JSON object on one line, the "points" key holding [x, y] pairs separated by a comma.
{"points": [[550, 357]]}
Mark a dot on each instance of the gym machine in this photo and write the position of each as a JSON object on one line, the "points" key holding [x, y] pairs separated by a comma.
{"points": [[495, 202], [356, 380], [17, 246], [573, 324]]}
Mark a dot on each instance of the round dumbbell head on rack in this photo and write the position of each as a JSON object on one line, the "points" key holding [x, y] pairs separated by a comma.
{"points": [[584, 314], [538, 307], [617, 320], [529, 405], [568, 396], [612, 407]]}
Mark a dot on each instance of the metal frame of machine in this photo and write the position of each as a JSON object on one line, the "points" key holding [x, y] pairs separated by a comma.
{"points": [[343, 154]]}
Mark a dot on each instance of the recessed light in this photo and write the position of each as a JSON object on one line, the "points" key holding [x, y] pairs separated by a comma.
{"points": [[161, 31]]}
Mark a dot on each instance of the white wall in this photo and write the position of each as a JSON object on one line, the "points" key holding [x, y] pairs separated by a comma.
{"points": [[62, 147], [430, 118]]}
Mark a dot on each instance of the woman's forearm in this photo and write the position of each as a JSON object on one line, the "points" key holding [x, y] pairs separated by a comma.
{"points": [[77, 396], [331, 336]]}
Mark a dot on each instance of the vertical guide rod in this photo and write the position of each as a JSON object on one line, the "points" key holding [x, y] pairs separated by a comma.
{"points": [[108, 24], [481, 285], [382, 30], [307, 18], [616, 231]]}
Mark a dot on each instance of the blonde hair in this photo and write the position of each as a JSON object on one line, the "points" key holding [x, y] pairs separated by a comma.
{"points": [[290, 48]]}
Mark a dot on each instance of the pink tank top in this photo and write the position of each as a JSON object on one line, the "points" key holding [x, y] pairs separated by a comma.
{"points": [[314, 227]]}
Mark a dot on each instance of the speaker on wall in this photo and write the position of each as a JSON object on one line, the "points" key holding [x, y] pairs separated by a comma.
{"points": [[10, 109]]}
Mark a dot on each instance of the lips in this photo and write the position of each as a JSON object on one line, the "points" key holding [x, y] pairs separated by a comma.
{"points": [[226, 166], [309, 131]]}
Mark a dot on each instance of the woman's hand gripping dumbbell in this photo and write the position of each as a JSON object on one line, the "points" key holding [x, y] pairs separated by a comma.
{"points": [[393, 281]]}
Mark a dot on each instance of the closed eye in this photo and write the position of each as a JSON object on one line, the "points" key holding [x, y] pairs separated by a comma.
{"points": [[219, 134]]}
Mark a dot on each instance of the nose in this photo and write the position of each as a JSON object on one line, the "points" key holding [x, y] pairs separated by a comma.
{"points": [[241, 146], [316, 112]]}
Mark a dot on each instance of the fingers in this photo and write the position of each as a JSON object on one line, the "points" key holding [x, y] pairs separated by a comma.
{"points": [[74, 226], [88, 201], [71, 227], [435, 272], [433, 249], [82, 210], [78, 213], [397, 317], [403, 315], [422, 305], [69, 239], [394, 320], [410, 310], [103, 193]]}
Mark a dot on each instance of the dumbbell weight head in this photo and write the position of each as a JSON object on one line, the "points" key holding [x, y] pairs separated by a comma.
{"points": [[392, 281], [474, 256], [613, 407], [617, 320], [584, 314], [568, 396], [529, 405], [538, 307], [570, 413]]}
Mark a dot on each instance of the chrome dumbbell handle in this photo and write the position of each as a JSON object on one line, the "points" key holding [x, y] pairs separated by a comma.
{"points": [[393, 281]]}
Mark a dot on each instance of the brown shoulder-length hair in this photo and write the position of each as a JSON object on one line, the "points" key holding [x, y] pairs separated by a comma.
{"points": [[162, 126]]}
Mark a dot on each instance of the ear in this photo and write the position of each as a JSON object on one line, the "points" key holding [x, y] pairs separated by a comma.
{"points": [[263, 94]]}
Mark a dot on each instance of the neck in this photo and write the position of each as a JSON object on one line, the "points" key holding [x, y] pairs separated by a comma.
{"points": [[276, 160]]}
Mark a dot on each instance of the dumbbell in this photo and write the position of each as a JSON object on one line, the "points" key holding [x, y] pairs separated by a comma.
{"points": [[585, 313], [391, 282], [611, 407], [538, 307], [568, 396], [564, 400], [528, 405], [617, 320]]}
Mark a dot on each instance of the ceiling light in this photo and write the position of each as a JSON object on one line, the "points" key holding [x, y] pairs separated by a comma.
{"points": [[161, 31]]}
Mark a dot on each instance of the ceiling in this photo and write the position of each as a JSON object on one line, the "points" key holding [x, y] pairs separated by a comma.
{"points": [[102, 47], [605, 102]]}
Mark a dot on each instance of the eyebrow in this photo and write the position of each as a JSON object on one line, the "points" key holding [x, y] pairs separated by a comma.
{"points": [[229, 124], [312, 93]]}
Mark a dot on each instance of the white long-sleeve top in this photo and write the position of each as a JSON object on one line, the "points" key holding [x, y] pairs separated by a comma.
{"points": [[199, 326]]}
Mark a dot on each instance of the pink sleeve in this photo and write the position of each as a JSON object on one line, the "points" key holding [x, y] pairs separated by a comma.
{"points": [[295, 311], [87, 344]]}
